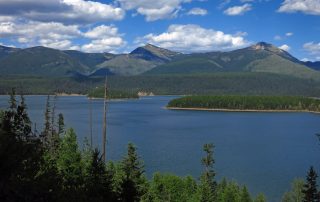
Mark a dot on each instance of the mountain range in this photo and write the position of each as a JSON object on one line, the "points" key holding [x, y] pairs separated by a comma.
{"points": [[152, 60]]}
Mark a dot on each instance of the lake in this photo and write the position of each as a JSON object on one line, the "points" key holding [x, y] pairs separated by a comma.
{"points": [[265, 151]]}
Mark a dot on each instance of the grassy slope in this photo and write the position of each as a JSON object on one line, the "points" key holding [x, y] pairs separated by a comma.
{"points": [[127, 65]]}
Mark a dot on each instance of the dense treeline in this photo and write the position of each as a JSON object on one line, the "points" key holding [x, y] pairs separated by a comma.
{"points": [[50, 166], [217, 84], [98, 92], [247, 103]]}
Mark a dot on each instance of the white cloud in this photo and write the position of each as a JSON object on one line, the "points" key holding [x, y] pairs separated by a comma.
{"points": [[304, 6], [198, 11], [288, 34], [94, 11], [54, 35], [66, 11], [154, 10], [105, 39], [312, 48], [38, 30], [193, 38], [238, 10], [101, 31], [104, 45], [59, 36], [285, 47]]}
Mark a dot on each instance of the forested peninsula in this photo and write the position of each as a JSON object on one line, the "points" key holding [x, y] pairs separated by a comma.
{"points": [[247, 103]]}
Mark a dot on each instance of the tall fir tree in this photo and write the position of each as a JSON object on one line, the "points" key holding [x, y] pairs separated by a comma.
{"points": [[61, 126], [310, 187], [46, 135], [98, 185], [207, 187], [70, 167], [133, 185]]}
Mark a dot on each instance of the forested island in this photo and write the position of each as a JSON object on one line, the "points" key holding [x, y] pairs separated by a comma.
{"points": [[246, 103], [112, 94]]}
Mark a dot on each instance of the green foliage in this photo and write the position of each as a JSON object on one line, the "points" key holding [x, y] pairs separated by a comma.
{"points": [[207, 186], [310, 187], [232, 192], [221, 83], [98, 184], [247, 103], [20, 156], [61, 126], [133, 182], [112, 94], [295, 194], [167, 187], [260, 198], [70, 166]]}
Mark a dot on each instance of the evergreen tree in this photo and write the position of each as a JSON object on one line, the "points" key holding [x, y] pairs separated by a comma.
{"points": [[133, 184], [20, 156], [295, 194], [207, 187], [61, 127], [245, 196], [310, 187], [12, 100], [69, 166], [260, 198], [46, 133], [22, 121], [98, 185]]}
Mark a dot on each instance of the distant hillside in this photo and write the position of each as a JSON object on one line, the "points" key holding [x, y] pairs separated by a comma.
{"points": [[91, 60], [138, 61], [312, 65], [152, 60], [40, 61], [5, 51], [261, 57]]}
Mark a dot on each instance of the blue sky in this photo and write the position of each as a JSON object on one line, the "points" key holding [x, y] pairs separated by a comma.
{"points": [[182, 25]]}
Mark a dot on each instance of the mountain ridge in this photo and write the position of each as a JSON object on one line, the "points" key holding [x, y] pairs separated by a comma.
{"points": [[152, 60]]}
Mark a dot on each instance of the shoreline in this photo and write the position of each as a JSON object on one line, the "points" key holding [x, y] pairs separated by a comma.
{"points": [[241, 110]]}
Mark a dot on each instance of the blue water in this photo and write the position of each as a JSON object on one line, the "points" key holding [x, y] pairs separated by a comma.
{"points": [[265, 151]]}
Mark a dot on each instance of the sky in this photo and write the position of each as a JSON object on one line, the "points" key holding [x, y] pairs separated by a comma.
{"points": [[119, 26]]}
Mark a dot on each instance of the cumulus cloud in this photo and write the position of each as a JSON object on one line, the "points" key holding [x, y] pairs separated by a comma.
{"points": [[54, 35], [312, 48], [104, 45], [66, 11], [238, 10], [105, 39], [198, 11], [305, 6], [285, 47], [154, 10], [193, 38], [57, 35]]}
